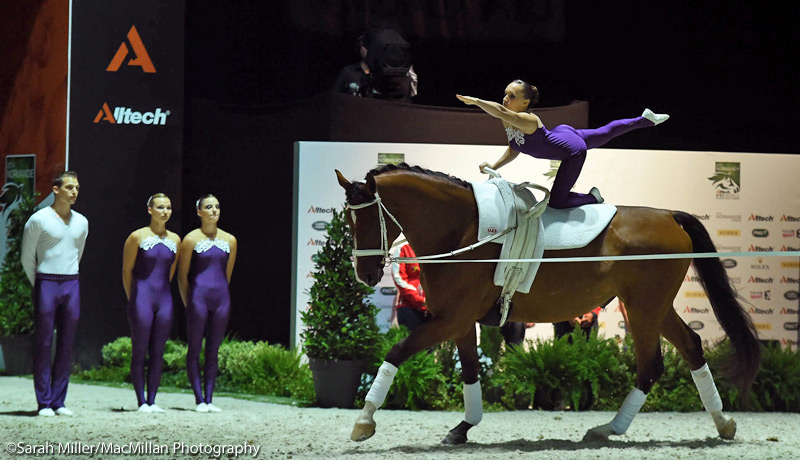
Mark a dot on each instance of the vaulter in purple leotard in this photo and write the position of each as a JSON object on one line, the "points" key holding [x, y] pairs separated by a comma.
{"points": [[148, 264], [527, 134], [52, 247], [205, 265]]}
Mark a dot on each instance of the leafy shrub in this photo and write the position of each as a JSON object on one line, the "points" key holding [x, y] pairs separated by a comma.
{"points": [[118, 353], [340, 322], [554, 371], [262, 368], [777, 386], [16, 303]]}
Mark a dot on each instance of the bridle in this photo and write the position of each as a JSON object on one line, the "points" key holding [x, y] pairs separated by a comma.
{"points": [[384, 249]]}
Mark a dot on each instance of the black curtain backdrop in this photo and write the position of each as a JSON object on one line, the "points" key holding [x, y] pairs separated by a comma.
{"points": [[724, 71], [121, 164]]}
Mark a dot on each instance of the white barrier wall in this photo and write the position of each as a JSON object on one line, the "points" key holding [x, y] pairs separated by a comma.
{"points": [[748, 202]]}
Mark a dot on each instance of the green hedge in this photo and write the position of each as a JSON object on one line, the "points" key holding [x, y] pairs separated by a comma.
{"points": [[551, 374], [244, 367]]}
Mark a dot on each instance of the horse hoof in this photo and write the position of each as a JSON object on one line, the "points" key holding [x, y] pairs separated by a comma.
{"points": [[362, 432], [598, 433], [728, 431], [455, 439]]}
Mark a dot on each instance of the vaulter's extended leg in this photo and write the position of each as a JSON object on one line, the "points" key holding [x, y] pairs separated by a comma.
{"points": [[434, 332], [473, 399], [688, 344]]}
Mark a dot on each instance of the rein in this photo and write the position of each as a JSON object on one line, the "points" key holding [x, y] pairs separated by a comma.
{"points": [[385, 248]]}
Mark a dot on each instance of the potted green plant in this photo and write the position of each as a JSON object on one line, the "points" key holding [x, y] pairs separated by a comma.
{"points": [[16, 303], [341, 332]]}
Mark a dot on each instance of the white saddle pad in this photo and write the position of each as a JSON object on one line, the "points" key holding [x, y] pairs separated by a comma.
{"points": [[563, 228]]}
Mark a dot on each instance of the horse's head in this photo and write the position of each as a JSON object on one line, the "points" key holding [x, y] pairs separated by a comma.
{"points": [[372, 233]]}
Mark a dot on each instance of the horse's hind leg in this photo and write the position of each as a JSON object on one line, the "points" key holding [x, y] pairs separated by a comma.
{"points": [[688, 344], [434, 332], [473, 401], [649, 367]]}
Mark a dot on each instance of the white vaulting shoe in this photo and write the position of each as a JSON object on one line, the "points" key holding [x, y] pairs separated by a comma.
{"points": [[64, 411], [156, 410], [656, 118], [213, 408], [47, 412], [144, 408], [595, 192], [202, 407]]}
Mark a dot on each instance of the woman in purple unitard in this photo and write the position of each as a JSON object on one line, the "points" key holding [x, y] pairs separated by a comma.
{"points": [[148, 264], [206, 260], [527, 134]]}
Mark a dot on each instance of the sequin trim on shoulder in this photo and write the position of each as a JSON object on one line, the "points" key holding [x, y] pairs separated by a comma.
{"points": [[515, 135], [207, 244], [151, 241]]}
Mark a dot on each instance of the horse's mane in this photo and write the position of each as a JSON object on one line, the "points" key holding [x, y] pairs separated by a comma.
{"points": [[418, 170]]}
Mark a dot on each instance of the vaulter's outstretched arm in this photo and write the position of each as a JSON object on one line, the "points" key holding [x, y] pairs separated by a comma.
{"points": [[508, 156], [524, 121]]}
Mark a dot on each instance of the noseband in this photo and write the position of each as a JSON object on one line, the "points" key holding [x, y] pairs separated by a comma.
{"points": [[384, 249]]}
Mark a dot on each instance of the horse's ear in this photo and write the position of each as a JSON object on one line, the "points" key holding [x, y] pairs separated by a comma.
{"points": [[342, 181], [370, 187]]}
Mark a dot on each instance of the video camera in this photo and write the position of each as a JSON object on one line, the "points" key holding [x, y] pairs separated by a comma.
{"points": [[389, 62]]}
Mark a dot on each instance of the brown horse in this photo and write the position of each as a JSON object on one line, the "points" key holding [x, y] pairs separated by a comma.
{"points": [[438, 214]]}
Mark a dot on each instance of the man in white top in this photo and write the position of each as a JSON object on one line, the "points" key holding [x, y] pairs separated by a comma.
{"points": [[52, 246]]}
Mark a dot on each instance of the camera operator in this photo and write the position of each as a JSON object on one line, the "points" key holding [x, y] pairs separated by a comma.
{"points": [[384, 70]]}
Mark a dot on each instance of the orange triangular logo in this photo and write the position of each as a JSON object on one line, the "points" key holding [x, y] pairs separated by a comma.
{"points": [[105, 114], [141, 58]]}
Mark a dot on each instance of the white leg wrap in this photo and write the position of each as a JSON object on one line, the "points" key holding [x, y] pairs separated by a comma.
{"points": [[630, 407], [707, 389], [380, 387], [473, 403]]}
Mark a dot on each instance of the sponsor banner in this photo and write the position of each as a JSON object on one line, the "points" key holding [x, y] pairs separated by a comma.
{"points": [[708, 185], [125, 134], [20, 177], [20, 181]]}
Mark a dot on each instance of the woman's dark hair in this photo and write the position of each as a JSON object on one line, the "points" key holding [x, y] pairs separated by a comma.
{"points": [[58, 181], [153, 197], [200, 200], [529, 92]]}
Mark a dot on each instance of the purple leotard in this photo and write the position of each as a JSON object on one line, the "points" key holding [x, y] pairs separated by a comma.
{"points": [[150, 313], [569, 145], [209, 304]]}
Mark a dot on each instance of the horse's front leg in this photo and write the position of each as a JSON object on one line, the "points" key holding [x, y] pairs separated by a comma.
{"points": [[473, 401], [434, 332]]}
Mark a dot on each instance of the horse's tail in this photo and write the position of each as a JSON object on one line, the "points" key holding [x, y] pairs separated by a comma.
{"points": [[742, 365]]}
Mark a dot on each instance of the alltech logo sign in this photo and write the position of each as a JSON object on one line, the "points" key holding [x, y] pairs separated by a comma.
{"points": [[132, 53], [131, 56], [128, 116]]}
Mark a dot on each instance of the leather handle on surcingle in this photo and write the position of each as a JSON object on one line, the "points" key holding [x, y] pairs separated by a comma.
{"points": [[540, 207], [491, 172]]}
